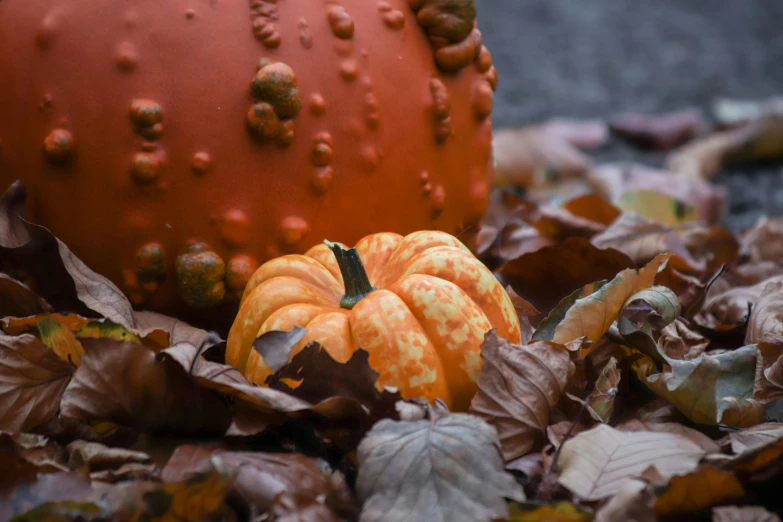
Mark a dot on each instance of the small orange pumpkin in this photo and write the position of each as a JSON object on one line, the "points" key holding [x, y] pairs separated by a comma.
{"points": [[419, 305]]}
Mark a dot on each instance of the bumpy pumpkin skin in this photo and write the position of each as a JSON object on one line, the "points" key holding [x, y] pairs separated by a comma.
{"points": [[147, 126], [422, 326]]}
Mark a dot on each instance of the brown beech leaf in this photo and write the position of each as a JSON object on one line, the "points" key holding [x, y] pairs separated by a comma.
{"points": [[558, 223], [743, 514], [591, 316], [524, 311], [530, 156], [544, 277], [690, 291], [764, 242], [755, 437], [275, 346], [98, 457], [675, 428], [147, 323], [600, 404], [45, 454], [633, 503], [538, 512], [593, 207], [643, 240], [517, 388], [711, 389], [680, 342], [766, 319], [732, 306], [768, 386], [663, 132], [129, 384], [700, 489], [280, 486], [448, 467], [32, 380], [644, 315], [613, 180], [16, 299], [22, 488], [62, 279], [595, 463]]}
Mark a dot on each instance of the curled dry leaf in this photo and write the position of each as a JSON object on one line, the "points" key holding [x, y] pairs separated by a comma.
{"points": [[281, 486], [755, 437], [591, 316], [517, 388], [17, 300], [743, 514], [613, 180], [634, 502], [768, 386], [544, 277], [275, 346], [46, 455], [593, 207], [711, 389], [645, 314], [129, 384], [97, 457], [766, 319], [643, 240], [657, 207], [677, 341], [675, 428], [62, 279], [765, 241], [151, 324], [663, 132], [600, 404], [596, 463], [698, 490], [32, 380], [733, 306], [446, 468]]}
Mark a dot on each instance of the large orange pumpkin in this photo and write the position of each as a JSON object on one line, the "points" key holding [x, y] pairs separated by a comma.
{"points": [[419, 304], [231, 132]]}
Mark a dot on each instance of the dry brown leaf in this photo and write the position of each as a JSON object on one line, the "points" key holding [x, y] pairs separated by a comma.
{"points": [[711, 389], [766, 319], [62, 279], [16, 299], [129, 384], [280, 486], [765, 241], [32, 380], [178, 331], [600, 404], [540, 512], [643, 240], [680, 342], [45, 454], [732, 307], [756, 437], [768, 385], [517, 388], [546, 276], [662, 132], [99, 457], [591, 316], [23, 488], [675, 428], [698, 490], [446, 468], [743, 514], [596, 463], [633, 503], [593, 207]]}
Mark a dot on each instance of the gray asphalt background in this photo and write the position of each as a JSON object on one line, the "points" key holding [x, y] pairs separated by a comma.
{"points": [[594, 58]]}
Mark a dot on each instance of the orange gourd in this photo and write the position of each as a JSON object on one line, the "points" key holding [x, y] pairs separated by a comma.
{"points": [[419, 305]]}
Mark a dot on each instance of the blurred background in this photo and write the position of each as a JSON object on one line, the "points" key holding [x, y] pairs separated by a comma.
{"points": [[596, 59]]}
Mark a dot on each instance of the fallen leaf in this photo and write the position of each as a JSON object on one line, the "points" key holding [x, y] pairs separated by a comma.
{"points": [[98, 457], [698, 490], [675, 428], [633, 503], [733, 306], [544, 277], [560, 224], [131, 472], [595, 463], [711, 389], [46, 455], [178, 331], [743, 514], [61, 340], [281, 486], [63, 280], [130, 385], [766, 318], [768, 385], [657, 207], [756, 437], [560, 512], [16, 299], [643, 240], [613, 180], [663, 132], [591, 316], [32, 380], [600, 404], [23, 489], [593, 207], [677, 341], [517, 388], [448, 467], [644, 315]]}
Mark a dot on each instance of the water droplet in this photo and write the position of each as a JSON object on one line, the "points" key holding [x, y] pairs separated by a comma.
{"points": [[58, 146], [201, 163], [235, 228]]}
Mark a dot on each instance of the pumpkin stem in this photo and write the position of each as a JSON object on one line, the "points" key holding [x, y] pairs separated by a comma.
{"points": [[357, 284]]}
